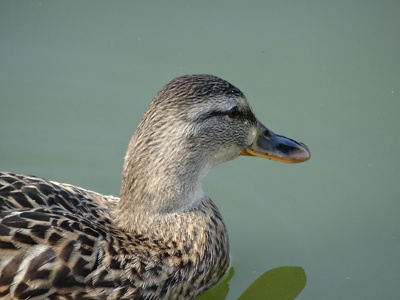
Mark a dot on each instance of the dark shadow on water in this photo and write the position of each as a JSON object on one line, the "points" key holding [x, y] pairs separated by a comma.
{"points": [[282, 283]]}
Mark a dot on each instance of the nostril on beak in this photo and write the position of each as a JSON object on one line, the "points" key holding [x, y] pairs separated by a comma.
{"points": [[267, 133]]}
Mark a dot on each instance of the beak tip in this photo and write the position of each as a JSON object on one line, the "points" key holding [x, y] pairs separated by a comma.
{"points": [[302, 154]]}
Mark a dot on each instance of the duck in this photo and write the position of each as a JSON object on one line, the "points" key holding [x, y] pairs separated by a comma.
{"points": [[163, 238]]}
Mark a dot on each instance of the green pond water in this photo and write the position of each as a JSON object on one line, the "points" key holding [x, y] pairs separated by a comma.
{"points": [[77, 76]]}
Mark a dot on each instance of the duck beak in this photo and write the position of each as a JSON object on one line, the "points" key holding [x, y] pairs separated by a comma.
{"points": [[269, 145]]}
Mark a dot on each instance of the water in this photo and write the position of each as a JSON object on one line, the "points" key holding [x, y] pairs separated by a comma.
{"points": [[76, 78]]}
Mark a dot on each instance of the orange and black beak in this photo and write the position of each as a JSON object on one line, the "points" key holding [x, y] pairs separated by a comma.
{"points": [[269, 145]]}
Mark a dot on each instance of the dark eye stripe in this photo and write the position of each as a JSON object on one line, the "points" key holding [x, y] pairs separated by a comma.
{"points": [[232, 113], [209, 115]]}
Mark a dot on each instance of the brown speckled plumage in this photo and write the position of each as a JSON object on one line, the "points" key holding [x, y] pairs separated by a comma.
{"points": [[163, 239]]}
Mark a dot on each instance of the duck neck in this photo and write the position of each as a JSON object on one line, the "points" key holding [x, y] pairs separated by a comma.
{"points": [[158, 182]]}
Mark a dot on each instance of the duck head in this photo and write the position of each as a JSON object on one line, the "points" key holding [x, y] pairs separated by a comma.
{"points": [[211, 116]]}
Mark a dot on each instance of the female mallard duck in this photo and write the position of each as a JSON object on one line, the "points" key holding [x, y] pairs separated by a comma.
{"points": [[164, 238]]}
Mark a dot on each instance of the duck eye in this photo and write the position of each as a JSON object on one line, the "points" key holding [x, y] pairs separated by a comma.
{"points": [[233, 112]]}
